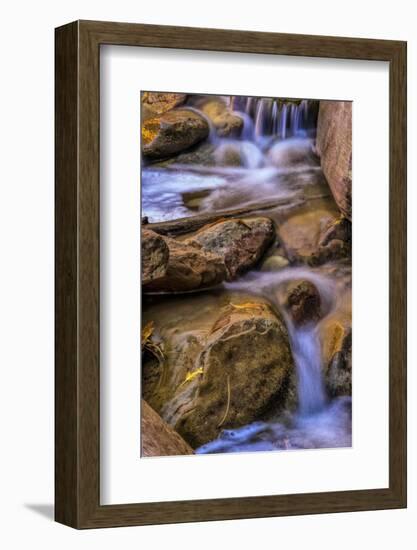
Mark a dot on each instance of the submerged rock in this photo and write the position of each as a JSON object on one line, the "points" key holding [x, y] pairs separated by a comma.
{"points": [[238, 153], [334, 147], [292, 153], [275, 263], [187, 267], [158, 438], [240, 242], [221, 374], [303, 303], [156, 103], [171, 133], [224, 121]]}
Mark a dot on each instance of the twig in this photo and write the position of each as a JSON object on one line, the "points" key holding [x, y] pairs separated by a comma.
{"points": [[228, 403]]}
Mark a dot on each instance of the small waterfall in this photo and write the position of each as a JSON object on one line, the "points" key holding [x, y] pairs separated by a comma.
{"points": [[283, 121], [274, 117], [318, 422], [307, 357]]}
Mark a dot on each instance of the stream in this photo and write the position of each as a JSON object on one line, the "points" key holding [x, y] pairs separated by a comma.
{"points": [[271, 161]]}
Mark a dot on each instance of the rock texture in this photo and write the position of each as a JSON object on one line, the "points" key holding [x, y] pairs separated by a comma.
{"points": [[216, 253], [335, 332], [171, 133], [334, 147], [301, 233], [156, 103], [188, 266], [224, 121], [240, 242], [316, 236], [155, 257], [158, 438], [223, 375], [303, 303]]}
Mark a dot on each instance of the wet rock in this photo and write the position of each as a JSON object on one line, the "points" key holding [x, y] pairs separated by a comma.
{"points": [[301, 234], [201, 154], [158, 438], [171, 133], [275, 263], [303, 303], [188, 266], [224, 121], [224, 374], [292, 152], [238, 153], [155, 256], [193, 199], [240, 242], [335, 332], [334, 146], [335, 242], [157, 103]]}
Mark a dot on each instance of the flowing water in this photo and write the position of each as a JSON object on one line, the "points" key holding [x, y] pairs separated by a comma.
{"points": [[271, 162], [318, 421]]}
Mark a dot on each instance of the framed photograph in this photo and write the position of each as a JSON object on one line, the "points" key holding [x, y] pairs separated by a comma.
{"points": [[230, 274]]}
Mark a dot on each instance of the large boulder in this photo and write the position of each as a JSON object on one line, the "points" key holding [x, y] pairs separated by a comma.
{"points": [[225, 122], [171, 133], [217, 252], [158, 438], [334, 147], [186, 267], [156, 103], [240, 242], [219, 372]]}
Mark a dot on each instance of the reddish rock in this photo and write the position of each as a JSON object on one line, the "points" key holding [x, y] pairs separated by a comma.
{"points": [[188, 266], [334, 147], [159, 439]]}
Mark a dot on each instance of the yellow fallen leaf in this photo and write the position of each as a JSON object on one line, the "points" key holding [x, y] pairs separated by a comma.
{"points": [[147, 332], [248, 305], [191, 375]]}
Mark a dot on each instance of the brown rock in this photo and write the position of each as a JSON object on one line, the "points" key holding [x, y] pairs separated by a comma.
{"points": [[303, 303], [240, 242], [224, 374], [224, 121], [155, 256], [335, 333], [171, 133], [334, 147], [158, 438], [301, 233], [156, 103], [187, 267]]}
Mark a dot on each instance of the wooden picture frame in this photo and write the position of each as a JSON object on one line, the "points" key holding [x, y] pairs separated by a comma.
{"points": [[77, 374]]}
